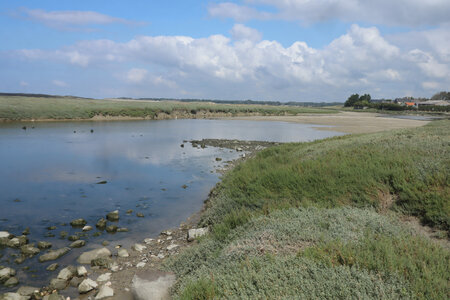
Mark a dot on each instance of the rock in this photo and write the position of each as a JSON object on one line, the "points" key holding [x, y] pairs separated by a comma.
{"points": [[16, 242], [66, 273], [148, 241], [54, 296], [78, 244], [160, 256], [122, 229], [104, 277], [166, 232], [73, 238], [78, 223], [155, 286], [87, 257], [140, 264], [27, 291], [111, 228], [114, 267], [123, 253], [104, 292], [171, 247], [103, 262], [218, 159], [87, 285], [58, 284], [51, 227], [52, 267], [103, 181], [87, 228], [196, 233], [13, 296], [105, 243], [139, 247], [63, 234], [4, 237], [101, 224], [6, 273], [53, 254], [26, 231], [44, 245], [81, 271], [129, 211], [20, 259], [75, 281], [29, 250], [12, 281], [113, 216], [139, 215]]}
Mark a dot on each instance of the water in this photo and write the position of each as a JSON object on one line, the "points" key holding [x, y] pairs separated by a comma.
{"points": [[49, 176]]}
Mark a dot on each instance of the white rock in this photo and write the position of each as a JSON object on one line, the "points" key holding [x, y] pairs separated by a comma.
{"points": [[140, 264], [148, 241], [65, 274], [87, 228], [160, 256], [13, 296], [88, 256], [123, 253], [87, 285], [166, 232], [139, 247], [81, 271], [196, 232], [4, 234], [104, 292], [5, 273], [171, 247], [114, 267], [152, 289], [104, 277], [169, 238]]}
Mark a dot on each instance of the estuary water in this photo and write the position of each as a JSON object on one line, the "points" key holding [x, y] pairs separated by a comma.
{"points": [[50, 174]]}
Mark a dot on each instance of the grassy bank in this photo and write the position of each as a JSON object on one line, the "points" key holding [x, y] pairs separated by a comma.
{"points": [[27, 108], [320, 220]]}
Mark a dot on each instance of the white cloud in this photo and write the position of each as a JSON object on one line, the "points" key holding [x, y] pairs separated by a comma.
{"points": [[242, 32], [386, 12], [431, 85], [68, 19], [24, 83], [362, 60], [136, 75], [59, 83]]}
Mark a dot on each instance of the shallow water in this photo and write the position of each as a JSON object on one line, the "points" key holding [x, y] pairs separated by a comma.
{"points": [[49, 175]]}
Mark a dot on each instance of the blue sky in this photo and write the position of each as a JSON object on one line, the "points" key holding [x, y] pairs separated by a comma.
{"points": [[280, 50]]}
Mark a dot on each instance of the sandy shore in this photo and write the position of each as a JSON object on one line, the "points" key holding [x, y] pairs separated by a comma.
{"points": [[348, 122]]}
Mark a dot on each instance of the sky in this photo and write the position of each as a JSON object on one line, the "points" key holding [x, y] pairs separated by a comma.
{"points": [[272, 50]]}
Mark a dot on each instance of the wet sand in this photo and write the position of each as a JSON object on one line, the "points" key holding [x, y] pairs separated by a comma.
{"points": [[348, 122]]}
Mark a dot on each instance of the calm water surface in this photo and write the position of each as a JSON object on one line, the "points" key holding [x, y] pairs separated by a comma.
{"points": [[48, 176]]}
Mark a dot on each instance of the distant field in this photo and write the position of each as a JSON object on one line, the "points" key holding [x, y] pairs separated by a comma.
{"points": [[27, 108]]}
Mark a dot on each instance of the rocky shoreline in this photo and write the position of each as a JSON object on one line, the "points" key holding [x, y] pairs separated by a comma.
{"points": [[122, 273]]}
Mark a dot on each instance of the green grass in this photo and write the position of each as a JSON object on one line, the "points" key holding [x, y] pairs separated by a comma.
{"points": [[27, 108], [319, 220]]}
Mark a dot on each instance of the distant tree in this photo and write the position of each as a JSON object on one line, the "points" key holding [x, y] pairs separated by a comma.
{"points": [[365, 98], [351, 100], [441, 96]]}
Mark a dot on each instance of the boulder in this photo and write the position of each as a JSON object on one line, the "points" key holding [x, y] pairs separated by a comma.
{"points": [[6, 273], [52, 267], [75, 281], [78, 244], [18, 241], [113, 216], [13, 296], [171, 247], [152, 286], [196, 233], [78, 223], [139, 247], [87, 228], [111, 228], [54, 296], [104, 277], [12, 281], [123, 253], [81, 271], [87, 285], [29, 250], [4, 237], [103, 262], [101, 224], [54, 254], [73, 238], [66, 273], [27, 291], [58, 284], [104, 292], [44, 245], [88, 256]]}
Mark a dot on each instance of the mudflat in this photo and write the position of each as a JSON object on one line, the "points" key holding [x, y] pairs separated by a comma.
{"points": [[348, 122]]}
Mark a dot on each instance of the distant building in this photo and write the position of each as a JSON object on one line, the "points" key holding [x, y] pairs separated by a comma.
{"points": [[434, 102]]}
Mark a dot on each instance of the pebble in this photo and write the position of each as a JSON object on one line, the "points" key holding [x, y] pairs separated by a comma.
{"points": [[148, 241], [104, 277], [87, 285], [140, 264], [139, 247], [81, 271], [52, 267], [104, 292], [171, 247], [123, 253], [87, 228]]}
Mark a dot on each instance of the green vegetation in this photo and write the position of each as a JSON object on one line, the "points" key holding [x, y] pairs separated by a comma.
{"points": [[320, 220], [27, 108]]}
